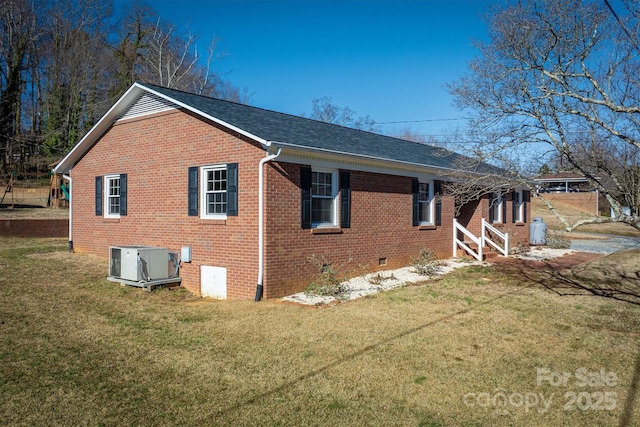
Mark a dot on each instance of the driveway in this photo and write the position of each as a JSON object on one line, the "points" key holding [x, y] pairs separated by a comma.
{"points": [[602, 243]]}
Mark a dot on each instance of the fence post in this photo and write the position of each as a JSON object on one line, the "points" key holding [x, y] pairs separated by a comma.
{"points": [[482, 239], [455, 237]]}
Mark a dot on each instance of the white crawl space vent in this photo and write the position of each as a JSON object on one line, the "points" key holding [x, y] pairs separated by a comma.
{"points": [[213, 282]]}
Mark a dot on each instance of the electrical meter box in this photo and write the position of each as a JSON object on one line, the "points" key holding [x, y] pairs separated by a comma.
{"points": [[138, 263]]}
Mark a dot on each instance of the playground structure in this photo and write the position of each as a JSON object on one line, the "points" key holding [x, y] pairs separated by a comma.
{"points": [[26, 190], [58, 192]]}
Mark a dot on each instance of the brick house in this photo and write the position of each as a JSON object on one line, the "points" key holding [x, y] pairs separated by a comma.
{"points": [[255, 194]]}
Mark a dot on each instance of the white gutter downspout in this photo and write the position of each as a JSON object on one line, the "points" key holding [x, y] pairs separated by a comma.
{"points": [[68, 178], [268, 158]]}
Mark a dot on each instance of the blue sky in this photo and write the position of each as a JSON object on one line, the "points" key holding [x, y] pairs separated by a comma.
{"points": [[385, 59]]}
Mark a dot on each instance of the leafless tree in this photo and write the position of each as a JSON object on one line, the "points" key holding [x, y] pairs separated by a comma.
{"points": [[20, 30], [63, 63], [324, 110], [556, 78]]}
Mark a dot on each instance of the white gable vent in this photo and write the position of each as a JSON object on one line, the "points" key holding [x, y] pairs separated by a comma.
{"points": [[147, 103]]}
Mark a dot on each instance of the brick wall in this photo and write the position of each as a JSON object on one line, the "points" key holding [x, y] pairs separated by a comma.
{"points": [[381, 229], [156, 152]]}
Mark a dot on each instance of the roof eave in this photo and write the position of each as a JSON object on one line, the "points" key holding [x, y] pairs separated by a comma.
{"points": [[390, 162]]}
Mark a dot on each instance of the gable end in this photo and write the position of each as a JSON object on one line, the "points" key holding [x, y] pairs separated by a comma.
{"points": [[147, 103]]}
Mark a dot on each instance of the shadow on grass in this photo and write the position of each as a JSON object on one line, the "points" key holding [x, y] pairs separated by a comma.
{"points": [[615, 276], [288, 384]]}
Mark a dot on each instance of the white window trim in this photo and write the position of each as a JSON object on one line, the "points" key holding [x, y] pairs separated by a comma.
{"points": [[497, 204], [203, 191], [430, 202], [334, 193], [520, 208], [107, 179]]}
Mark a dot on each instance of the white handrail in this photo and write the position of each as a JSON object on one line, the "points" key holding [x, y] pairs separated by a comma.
{"points": [[480, 241], [459, 243], [504, 250]]}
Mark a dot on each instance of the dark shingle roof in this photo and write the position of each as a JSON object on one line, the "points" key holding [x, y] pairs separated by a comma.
{"points": [[295, 130]]}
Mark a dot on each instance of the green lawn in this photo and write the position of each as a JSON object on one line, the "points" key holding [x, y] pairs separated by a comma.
{"points": [[76, 349]]}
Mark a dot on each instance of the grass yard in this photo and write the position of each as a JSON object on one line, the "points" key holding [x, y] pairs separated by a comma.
{"points": [[76, 349]]}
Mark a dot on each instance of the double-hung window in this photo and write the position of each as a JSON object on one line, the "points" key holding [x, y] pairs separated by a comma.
{"points": [[517, 206], [319, 193], [214, 195], [111, 195], [324, 189], [427, 206], [213, 191], [496, 208], [112, 192], [425, 203]]}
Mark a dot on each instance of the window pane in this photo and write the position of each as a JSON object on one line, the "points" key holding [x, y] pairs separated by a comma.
{"points": [[424, 213], [114, 205], [321, 210], [216, 203], [321, 184], [423, 192], [114, 186]]}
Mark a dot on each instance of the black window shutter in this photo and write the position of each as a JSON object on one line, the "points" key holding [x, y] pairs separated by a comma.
{"points": [[123, 194], [491, 215], [504, 208], [525, 197], [514, 205], [437, 187], [416, 205], [193, 191], [305, 187], [98, 196], [345, 199], [232, 189]]}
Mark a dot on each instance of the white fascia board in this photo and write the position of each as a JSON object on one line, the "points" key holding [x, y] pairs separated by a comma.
{"points": [[293, 153], [118, 108]]}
